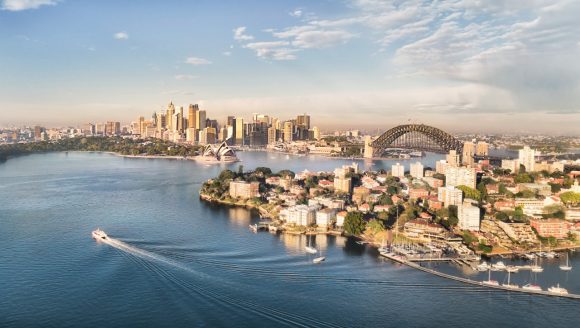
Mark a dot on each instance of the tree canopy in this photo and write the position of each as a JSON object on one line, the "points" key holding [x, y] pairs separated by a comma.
{"points": [[354, 223]]}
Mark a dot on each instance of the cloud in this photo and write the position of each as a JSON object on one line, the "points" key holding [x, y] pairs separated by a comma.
{"points": [[19, 5], [197, 61], [296, 13], [121, 36], [182, 77], [240, 36], [273, 50], [227, 53]]}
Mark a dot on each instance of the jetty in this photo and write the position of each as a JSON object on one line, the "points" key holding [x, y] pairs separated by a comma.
{"points": [[414, 265]]}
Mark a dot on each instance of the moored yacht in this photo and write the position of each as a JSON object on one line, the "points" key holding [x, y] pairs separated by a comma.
{"points": [[498, 266], [99, 234], [310, 249], [490, 282], [483, 266], [532, 287], [558, 290]]}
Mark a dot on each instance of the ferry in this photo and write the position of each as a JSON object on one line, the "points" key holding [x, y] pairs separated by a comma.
{"points": [[558, 290], [99, 234]]}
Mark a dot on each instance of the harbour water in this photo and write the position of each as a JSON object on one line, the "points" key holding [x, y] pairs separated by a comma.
{"points": [[181, 262]]}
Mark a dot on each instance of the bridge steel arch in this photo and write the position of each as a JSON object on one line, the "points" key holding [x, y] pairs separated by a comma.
{"points": [[442, 139]]}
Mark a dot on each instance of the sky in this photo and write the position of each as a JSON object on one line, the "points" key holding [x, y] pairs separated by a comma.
{"points": [[461, 65]]}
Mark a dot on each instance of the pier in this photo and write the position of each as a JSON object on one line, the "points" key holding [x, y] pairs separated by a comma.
{"points": [[411, 264]]}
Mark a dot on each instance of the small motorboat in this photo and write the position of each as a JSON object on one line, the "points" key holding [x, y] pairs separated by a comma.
{"points": [[310, 249], [99, 234], [319, 259], [531, 287]]}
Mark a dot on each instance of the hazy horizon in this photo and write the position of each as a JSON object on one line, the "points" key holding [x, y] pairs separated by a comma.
{"points": [[463, 66]]}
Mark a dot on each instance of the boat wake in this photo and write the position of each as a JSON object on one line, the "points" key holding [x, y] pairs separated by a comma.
{"points": [[258, 309]]}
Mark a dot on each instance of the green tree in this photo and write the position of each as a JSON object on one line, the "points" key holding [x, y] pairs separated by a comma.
{"points": [[524, 177], [226, 175], [263, 171], [287, 173], [453, 220], [375, 226], [469, 192], [570, 198], [502, 216], [354, 223]]}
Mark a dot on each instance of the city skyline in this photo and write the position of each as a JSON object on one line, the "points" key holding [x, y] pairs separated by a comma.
{"points": [[458, 65]]}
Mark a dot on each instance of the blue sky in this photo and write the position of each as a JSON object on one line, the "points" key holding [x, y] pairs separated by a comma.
{"points": [[460, 64]]}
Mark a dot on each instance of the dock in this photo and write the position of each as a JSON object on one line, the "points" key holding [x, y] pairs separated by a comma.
{"points": [[414, 265]]}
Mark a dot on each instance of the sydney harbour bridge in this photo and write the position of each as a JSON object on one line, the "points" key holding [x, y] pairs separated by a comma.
{"points": [[417, 137]]}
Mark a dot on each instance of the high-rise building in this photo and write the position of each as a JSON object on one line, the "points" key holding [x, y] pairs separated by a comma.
{"points": [[417, 170], [141, 123], [316, 133], [453, 158], [450, 196], [398, 170], [303, 121], [460, 176], [239, 131], [271, 135], [468, 216], [468, 153], [161, 124], [482, 149], [89, 129], [200, 120], [342, 181], [441, 166], [288, 131], [368, 150], [169, 117], [527, 158], [192, 116]]}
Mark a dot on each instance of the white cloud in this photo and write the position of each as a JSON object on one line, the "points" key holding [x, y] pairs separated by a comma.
{"points": [[18, 5], [321, 39], [197, 61], [182, 77], [239, 34], [121, 36], [296, 13], [227, 53], [273, 50]]}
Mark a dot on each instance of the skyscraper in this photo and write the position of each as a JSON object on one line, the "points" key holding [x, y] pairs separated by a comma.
{"points": [[527, 158], [192, 116], [482, 149], [417, 170], [288, 131], [468, 153], [239, 131], [271, 135], [303, 121], [453, 158], [398, 170], [200, 120], [169, 117]]}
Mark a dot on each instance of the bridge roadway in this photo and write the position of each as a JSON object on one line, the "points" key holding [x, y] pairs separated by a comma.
{"points": [[479, 283]]}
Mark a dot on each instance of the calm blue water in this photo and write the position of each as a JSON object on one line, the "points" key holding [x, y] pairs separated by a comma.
{"points": [[187, 263]]}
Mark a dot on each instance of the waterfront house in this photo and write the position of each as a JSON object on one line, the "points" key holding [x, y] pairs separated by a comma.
{"points": [[325, 218], [340, 216]]}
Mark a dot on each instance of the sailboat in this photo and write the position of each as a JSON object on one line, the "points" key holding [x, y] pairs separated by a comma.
{"points": [[558, 290], [566, 267], [509, 285], [489, 281], [310, 249], [319, 259], [536, 267]]}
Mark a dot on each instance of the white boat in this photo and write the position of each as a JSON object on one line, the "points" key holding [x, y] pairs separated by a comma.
{"points": [[310, 250], [550, 255], [99, 234], [253, 227], [509, 285], [319, 259], [536, 267], [498, 266], [483, 266], [361, 242], [567, 266], [490, 282], [512, 269], [531, 287], [558, 290]]}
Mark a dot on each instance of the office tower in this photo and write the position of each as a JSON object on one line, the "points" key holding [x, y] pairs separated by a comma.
{"points": [[482, 149], [239, 131], [468, 153], [192, 116], [398, 170], [316, 133], [223, 134], [89, 129], [160, 122], [417, 170], [453, 158], [230, 120], [190, 135], [527, 158], [259, 118], [141, 124], [169, 117], [200, 120], [458, 176], [303, 121], [210, 135], [342, 181], [38, 132], [276, 124], [271, 135], [288, 131]]}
